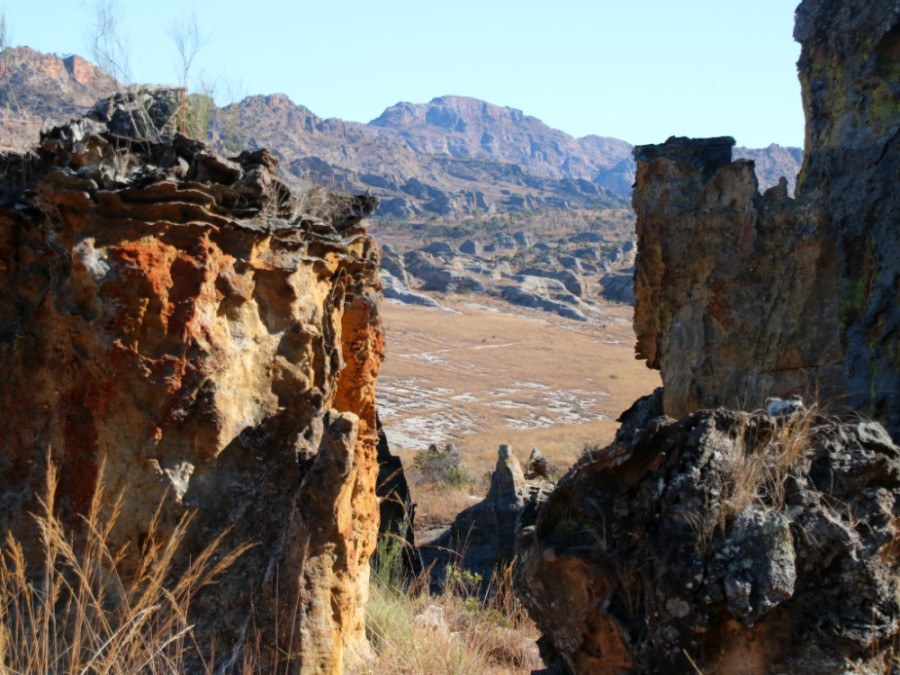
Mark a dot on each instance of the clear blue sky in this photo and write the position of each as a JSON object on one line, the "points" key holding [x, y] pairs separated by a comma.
{"points": [[640, 70]]}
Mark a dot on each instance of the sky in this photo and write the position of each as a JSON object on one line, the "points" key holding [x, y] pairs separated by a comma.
{"points": [[639, 70]]}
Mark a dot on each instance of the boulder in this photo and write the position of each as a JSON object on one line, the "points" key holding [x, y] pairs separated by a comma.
{"points": [[470, 247], [505, 241], [618, 286], [394, 289], [726, 542], [525, 239], [440, 248], [443, 275], [570, 263], [392, 262], [572, 282]]}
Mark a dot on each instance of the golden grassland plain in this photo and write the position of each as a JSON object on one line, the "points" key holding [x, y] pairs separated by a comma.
{"points": [[482, 372]]}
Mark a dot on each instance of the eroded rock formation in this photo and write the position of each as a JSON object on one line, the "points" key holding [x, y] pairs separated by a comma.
{"points": [[736, 297], [741, 296], [211, 342], [730, 542], [483, 535], [750, 542]]}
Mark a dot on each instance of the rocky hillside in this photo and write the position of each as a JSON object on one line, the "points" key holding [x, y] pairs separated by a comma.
{"points": [[453, 157], [35, 87]]}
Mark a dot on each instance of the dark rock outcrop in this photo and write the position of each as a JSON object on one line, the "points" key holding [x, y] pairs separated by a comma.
{"points": [[750, 542], [850, 74], [186, 324], [618, 286], [395, 506], [735, 295], [484, 534], [729, 542]]}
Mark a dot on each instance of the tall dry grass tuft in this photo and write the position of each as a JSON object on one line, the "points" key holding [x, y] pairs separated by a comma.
{"points": [[81, 613], [464, 629], [762, 459]]}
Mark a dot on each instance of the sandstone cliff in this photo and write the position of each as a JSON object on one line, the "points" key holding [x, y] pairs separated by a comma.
{"points": [[850, 74], [740, 296], [735, 295], [212, 342]]}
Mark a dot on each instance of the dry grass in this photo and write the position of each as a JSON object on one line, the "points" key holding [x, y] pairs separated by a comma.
{"points": [[78, 614], [81, 613], [463, 630], [762, 461], [439, 505]]}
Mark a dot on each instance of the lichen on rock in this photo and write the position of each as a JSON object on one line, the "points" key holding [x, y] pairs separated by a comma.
{"points": [[716, 540]]}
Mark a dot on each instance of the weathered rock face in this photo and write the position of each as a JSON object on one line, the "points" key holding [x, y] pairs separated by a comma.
{"points": [[741, 296], [729, 542], [734, 542], [183, 322], [395, 506], [736, 296], [850, 73]]}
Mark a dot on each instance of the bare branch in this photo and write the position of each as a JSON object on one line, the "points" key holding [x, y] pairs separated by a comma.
{"points": [[107, 45], [188, 40]]}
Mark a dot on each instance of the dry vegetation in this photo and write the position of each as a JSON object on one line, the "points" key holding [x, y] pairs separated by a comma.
{"points": [[88, 611], [466, 629], [80, 613], [763, 460]]}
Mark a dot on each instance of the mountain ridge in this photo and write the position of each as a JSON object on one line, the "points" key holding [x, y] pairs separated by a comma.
{"points": [[452, 157]]}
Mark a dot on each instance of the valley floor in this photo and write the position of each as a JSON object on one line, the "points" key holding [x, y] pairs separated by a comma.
{"points": [[482, 372]]}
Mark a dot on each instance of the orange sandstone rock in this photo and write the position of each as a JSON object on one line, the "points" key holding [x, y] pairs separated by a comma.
{"points": [[184, 322]]}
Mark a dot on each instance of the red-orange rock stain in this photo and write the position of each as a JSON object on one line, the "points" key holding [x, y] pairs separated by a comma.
{"points": [[81, 409]]}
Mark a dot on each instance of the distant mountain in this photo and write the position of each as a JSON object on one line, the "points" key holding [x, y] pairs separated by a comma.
{"points": [[35, 87], [466, 127], [774, 162], [451, 157]]}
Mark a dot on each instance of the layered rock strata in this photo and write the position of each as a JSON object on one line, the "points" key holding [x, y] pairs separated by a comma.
{"points": [[183, 329], [740, 295]]}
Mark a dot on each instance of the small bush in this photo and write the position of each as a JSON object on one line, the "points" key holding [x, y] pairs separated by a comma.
{"points": [[590, 451], [442, 466]]}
